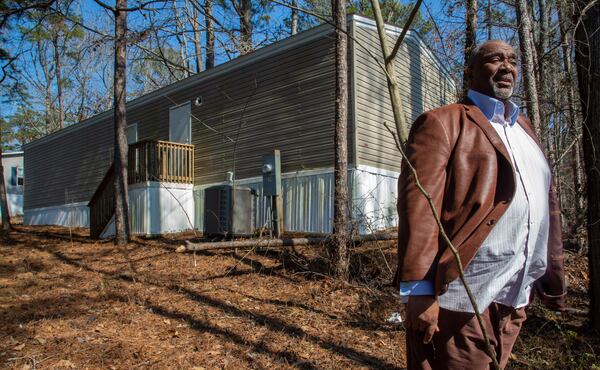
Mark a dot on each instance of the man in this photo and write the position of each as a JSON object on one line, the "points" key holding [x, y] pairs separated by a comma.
{"points": [[487, 176]]}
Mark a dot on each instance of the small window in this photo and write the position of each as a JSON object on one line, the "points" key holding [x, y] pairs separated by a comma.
{"points": [[13, 176], [20, 176], [16, 178]]}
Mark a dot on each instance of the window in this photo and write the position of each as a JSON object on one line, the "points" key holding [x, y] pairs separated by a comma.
{"points": [[16, 178], [20, 176], [132, 136]]}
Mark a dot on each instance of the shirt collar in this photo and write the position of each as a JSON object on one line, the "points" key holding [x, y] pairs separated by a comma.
{"points": [[492, 107]]}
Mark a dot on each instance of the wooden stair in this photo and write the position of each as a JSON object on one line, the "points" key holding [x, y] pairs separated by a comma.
{"points": [[102, 204]]}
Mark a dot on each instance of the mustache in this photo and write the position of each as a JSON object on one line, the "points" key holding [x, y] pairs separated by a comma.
{"points": [[504, 78]]}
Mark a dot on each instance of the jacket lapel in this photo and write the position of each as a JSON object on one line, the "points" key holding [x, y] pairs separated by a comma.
{"points": [[477, 116]]}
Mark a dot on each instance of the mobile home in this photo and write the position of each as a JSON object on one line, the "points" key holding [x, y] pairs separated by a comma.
{"points": [[217, 125]]}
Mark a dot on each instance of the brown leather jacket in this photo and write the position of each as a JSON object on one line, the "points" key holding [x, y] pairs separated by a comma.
{"points": [[464, 166]]}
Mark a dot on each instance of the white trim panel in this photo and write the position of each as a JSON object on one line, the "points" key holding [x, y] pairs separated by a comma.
{"points": [[15, 204], [73, 214], [374, 197], [157, 208]]}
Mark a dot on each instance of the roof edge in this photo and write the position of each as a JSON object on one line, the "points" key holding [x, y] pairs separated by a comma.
{"points": [[413, 34], [12, 154]]}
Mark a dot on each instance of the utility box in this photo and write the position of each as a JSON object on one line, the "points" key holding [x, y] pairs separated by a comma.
{"points": [[271, 171], [228, 212]]}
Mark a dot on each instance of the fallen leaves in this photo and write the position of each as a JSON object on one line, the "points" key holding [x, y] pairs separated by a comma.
{"points": [[19, 347], [65, 364]]}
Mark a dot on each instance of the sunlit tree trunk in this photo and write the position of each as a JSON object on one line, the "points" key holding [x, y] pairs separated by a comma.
{"points": [[339, 250], [197, 45], [120, 158], [59, 85], [246, 29], [578, 221], [294, 22], [527, 64], [210, 34], [470, 38]]}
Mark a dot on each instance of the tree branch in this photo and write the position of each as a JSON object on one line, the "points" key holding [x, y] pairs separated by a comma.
{"points": [[409, 21]]}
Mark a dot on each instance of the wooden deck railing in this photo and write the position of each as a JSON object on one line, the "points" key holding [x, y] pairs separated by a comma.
{"points": [[148, 161], [155, 160], [102, 204]]}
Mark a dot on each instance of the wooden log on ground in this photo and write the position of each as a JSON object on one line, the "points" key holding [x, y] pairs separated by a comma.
{"points": [[274, 243]]}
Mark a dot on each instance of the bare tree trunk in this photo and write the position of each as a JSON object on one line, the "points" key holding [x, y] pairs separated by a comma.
{"points": [[120, 90], [82, 102], [61, 114], [339, 256], [245, 14], [587, 58], [181, 38], [294, 25], [197, 46], [546, 80], [542, 62], [470, 38], [577, 228], [527, 63], [489, 19], [3, 199], [210, 34]]}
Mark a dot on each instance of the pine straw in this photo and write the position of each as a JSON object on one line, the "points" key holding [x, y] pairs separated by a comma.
{"points": [[82, 304], [74, 303]]}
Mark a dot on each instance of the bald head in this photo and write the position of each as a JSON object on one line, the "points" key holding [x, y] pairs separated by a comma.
{"points": [[493, 69]]}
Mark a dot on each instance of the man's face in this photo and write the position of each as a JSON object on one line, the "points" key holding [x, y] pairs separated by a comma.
{"points": [[494, 71]]}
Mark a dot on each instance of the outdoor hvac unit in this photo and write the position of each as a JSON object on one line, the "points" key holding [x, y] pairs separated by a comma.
{"points": [[228, 213]]}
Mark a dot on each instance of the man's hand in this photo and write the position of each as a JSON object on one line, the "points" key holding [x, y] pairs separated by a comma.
{"points": [[422, 314]]}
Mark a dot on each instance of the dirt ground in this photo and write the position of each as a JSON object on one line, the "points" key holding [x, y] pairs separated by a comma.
{"points": [[69, 302]]}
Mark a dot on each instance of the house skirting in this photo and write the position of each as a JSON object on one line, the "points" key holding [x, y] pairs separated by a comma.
{"points": [[157, 208], [73, 214], [308, 200], [15, 204]]}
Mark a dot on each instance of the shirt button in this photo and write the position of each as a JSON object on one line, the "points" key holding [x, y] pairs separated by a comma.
{"points": [[490, 222]]}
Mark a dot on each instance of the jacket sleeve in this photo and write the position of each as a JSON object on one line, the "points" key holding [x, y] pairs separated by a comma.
{"points": [[551, 287], [428, 150]]}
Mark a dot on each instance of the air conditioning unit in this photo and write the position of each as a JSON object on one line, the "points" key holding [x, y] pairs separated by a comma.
{"points": [[228, 212]]}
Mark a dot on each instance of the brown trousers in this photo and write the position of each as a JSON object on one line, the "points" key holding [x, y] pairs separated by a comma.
{"points": [[459, 344]]}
